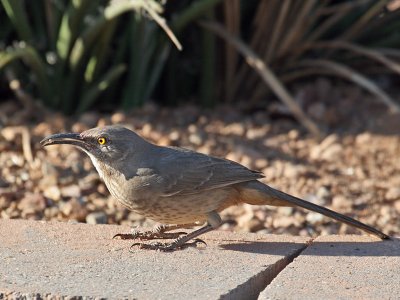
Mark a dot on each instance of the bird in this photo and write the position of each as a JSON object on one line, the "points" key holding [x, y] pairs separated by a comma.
{"points": [[177, 187]]}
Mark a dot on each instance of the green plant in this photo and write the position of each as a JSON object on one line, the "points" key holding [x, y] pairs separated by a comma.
{"points": [[72, 54], [289, 40], [76, 50]]}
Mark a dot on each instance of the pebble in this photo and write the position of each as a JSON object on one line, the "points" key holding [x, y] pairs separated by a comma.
{"points": [[257, 133], [196, 138], [397, 206], [293, 171], [71, 191], [341, 202], [393, 193], [233, 129], [96, 218], [52, 192], [360, 170], [314, 218], [32, 202], [283, 222], [118, 118], [329, 149], [285, 211]]}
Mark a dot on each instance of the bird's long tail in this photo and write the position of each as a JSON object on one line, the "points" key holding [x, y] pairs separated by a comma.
{"points": [[256, 192]]}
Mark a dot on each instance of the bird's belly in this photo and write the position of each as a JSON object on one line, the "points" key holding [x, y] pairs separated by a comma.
{"points": [[178, 209]]}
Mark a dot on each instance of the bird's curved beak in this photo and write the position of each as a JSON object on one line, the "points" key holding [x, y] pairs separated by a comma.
{"points": [[65, 138]]}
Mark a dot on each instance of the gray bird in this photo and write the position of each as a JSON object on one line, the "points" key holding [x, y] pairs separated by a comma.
{"points": [[178, 187]]}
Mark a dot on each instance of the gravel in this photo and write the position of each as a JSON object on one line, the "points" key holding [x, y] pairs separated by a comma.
{"points": [[355, 169]]}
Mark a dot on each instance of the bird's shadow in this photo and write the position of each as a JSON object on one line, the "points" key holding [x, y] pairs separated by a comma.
{"points": [[378, 248]]}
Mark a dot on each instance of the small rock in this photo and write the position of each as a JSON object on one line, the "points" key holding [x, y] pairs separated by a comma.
{"points": [[71, 191], [332, 152], [31, 203], [260, 163], [285, 211], [328, 149], [66, 208], [393, 193], [196, 138], [52, 192], [9, 133], [96, 218], [315, 199], [51, 212], [293, 134], [397, 206], [234, 156], [293, 171], [340, 202], [174, 135], [256, 133], [4, 183], [118, 118], [363, 138], [314, 218], [233, 129], [323, 193], [283, 222], [74, 209]]}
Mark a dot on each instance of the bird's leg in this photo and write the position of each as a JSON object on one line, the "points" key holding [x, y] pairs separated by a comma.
{"points": [[158, 232], [213, 222]]}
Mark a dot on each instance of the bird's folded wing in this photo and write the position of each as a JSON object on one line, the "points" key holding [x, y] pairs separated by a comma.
{"points": [[187, 172]]}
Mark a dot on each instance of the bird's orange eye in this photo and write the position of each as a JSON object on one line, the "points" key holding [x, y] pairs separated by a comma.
{"points": [[101, 140]]}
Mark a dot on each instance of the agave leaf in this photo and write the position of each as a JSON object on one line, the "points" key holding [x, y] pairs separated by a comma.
{"points": [[372, 54], [352, 75], [266, 74], [279, 26], [138, 64], [102, 49], [232, 24], [30, 56], [86, 40], [70, 26], [161, 22], [299, 26], [89, 97], [17, 13], [360, 24], [193, 12]]}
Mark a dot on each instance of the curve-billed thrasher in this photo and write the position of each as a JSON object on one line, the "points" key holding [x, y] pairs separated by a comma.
{"points": [[177, 186]]}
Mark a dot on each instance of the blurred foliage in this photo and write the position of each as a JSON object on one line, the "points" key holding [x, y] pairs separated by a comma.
{"points": [[74, 54], [71, 54], [297, 39]]}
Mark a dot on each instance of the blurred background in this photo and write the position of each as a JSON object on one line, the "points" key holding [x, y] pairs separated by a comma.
{"points": [[305, 91]]}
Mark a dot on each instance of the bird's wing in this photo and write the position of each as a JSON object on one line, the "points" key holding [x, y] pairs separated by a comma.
{"points": [[187, 172]]}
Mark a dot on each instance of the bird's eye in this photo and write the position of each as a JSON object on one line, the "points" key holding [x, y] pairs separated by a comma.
{"points": [[101, 140]]}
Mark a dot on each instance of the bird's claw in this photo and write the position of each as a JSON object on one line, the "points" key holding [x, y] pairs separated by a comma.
{"points": [[123, 236], [148, 235], [166, 247]]}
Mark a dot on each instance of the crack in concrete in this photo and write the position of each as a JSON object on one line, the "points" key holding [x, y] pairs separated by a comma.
{"points": [[252, 288]]}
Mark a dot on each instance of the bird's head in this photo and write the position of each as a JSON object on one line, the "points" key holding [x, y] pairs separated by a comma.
{"points": [[108, 144]]}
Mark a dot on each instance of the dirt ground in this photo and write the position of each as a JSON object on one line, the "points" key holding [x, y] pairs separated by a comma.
{"points": [[354, 169]]}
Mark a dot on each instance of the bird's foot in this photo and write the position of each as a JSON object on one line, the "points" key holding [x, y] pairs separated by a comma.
{"points": [[166, 247], [156, 233]]}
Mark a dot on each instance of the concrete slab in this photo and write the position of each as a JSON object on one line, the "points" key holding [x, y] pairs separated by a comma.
{"points": [[44, 260], [341, 267]]}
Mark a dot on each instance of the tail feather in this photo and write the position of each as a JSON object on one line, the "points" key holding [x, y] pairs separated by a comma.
{"points": [[294, 201]]}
